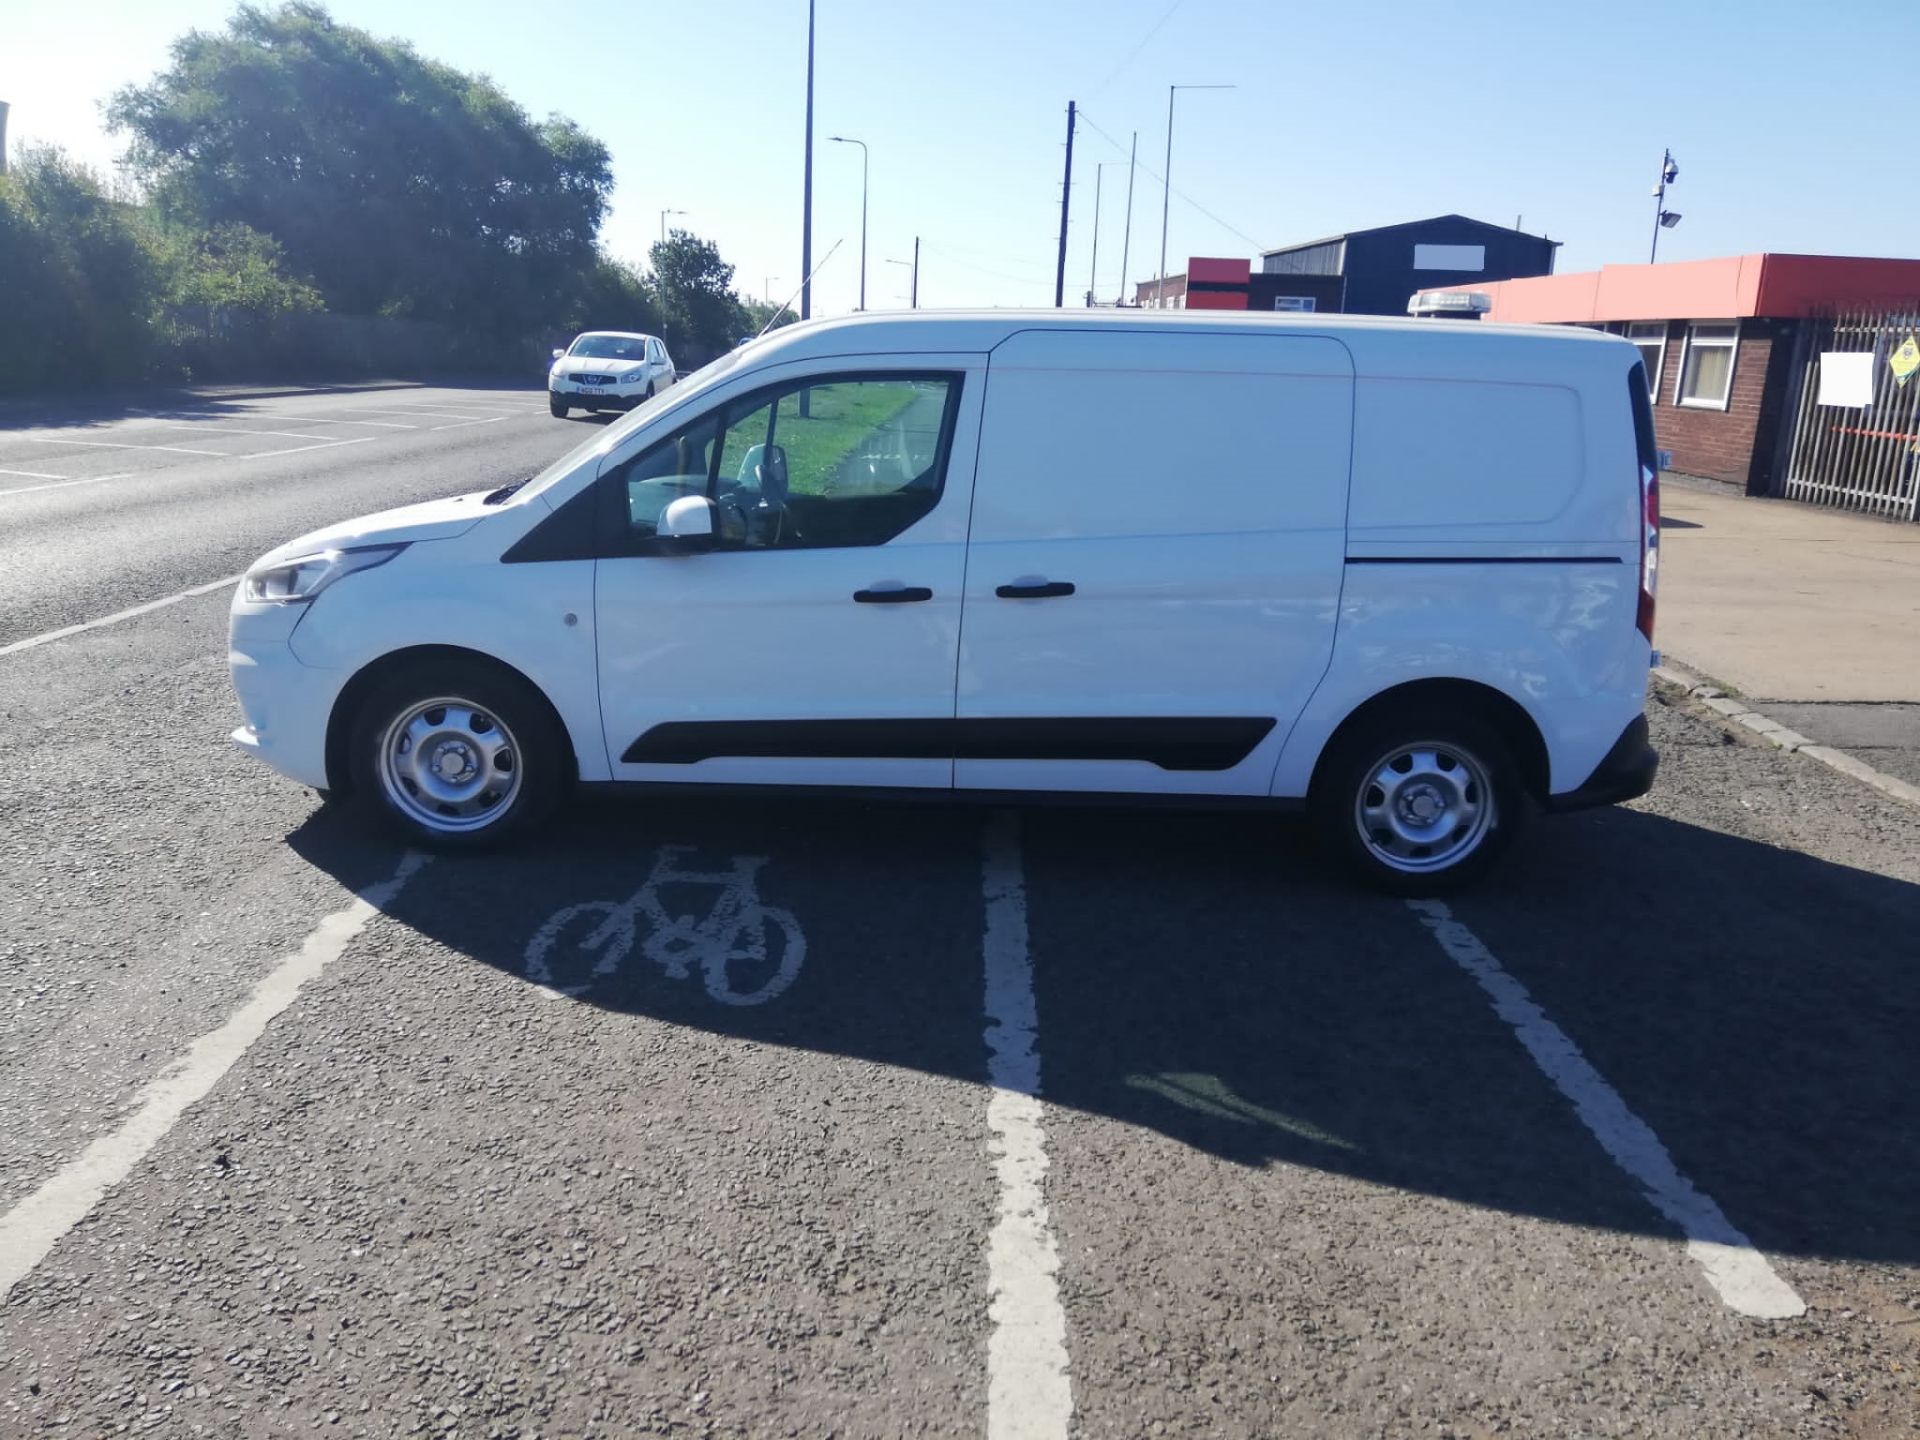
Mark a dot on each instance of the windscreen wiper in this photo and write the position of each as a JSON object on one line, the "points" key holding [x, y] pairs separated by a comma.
{"points": [[496, 497]]}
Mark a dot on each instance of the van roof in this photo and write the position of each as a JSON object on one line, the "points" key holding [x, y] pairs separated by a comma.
{"points": [[980, 330]]}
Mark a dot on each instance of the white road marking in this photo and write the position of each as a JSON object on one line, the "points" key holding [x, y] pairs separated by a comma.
{"points": [[732, 944], [121, 445], [1738, 1271], [1028, 1393], [32, 474], [317, 420], [63, 484], [428, 414], [209, 424], [34, 1226], [489, 420], [118, 615], [302, 449]]}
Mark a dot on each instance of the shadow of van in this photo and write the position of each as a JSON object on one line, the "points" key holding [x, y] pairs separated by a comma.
{"points": [[1206, 977]]}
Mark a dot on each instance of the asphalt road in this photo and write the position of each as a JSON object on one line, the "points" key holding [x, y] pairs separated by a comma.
{"points": [[679, 1121]]}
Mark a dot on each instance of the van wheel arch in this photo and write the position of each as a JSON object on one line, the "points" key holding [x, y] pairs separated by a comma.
{"points": [[354, 694], [1421, 697]]}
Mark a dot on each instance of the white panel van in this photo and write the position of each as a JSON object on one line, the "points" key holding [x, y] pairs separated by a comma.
{"points": [[1398, 573]]}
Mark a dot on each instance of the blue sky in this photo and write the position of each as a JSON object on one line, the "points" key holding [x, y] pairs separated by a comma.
{"points": [[1344, 117]]}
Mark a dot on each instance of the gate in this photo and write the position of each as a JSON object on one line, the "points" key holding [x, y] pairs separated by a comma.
{"points": [[1863, 457]]}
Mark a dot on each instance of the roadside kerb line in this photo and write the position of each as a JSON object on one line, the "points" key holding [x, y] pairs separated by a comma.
{"points": [[1028, 1393], [34, 1226], [63, 484], [118, 615], [1733, 1266], [1737, 712]]}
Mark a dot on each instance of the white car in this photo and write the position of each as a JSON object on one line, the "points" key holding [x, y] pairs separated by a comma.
{"points": [[608, 370], [1397, 572]]}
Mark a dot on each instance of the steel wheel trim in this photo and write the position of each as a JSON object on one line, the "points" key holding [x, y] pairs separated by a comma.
{"points": [[1424, 807], [449, 765]]}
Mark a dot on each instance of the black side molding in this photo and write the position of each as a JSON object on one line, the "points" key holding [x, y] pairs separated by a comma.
{"points": [[1171, 742]]}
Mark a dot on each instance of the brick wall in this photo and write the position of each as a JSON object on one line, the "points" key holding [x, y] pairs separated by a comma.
{"points": [[1718, 444]]}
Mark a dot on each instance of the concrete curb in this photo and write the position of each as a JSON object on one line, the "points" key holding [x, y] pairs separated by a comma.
{"points": [[1740, 713]]}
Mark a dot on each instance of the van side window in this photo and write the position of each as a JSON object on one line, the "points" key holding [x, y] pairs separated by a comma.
{"points": [[828, 462], [634, 494]]}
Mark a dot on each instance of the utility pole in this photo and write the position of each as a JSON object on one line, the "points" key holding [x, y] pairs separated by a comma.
{"points": [[1066, 200], [806, 196], [913, 302], [1093, 265], [1126, 240]]}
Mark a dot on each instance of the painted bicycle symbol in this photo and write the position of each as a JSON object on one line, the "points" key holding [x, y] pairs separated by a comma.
{"points": [[737, 943]]}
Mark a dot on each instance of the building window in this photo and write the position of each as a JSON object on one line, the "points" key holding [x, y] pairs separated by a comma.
{"points": [[1650, 339], [1706, 365], [1300, 304]]}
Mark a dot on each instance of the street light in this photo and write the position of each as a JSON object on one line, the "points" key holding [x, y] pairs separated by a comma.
{"points": [[663, 223], [913, 294], [849, 140], [766, 290], [1093, 265], [1166, 193], [1663, 218]]}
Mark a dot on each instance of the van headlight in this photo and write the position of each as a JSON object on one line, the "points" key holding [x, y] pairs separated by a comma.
{"points": [[305, 576]]}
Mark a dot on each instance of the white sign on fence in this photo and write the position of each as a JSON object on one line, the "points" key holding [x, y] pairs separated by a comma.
{"points": [[1846, 378]]}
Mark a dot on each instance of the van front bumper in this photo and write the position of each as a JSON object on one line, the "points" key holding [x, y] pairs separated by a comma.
{"points": [[286, 704], [1625, 774]]}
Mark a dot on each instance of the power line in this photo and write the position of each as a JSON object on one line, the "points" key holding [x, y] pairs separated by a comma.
{"points": [[1256, 244], [1134, 54], [952, 259]]}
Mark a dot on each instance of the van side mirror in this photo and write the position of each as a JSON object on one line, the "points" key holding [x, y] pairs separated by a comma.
{"points": [[686, 526]]}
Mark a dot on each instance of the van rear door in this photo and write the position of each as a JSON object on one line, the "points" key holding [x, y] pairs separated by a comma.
{"points": [[1155, 558]]}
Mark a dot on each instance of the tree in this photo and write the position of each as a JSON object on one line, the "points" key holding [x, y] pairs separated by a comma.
{"points": [[763, 315], [694, 289], [79, 286], [401, 185]]}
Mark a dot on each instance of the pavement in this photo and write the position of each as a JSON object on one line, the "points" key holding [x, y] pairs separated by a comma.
{"points": [[1037, 1122], [1811, 615]]}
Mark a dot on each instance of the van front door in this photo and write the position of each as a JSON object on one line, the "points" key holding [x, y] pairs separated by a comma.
{"points": [[1157, 546], [814, 643]]}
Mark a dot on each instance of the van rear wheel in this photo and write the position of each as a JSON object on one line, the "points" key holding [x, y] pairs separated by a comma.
{"points": [[1420, 804]]}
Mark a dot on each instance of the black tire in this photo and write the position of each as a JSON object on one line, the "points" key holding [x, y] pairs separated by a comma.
{"points": [[1386, 858], [557, 407], [503, 709]]}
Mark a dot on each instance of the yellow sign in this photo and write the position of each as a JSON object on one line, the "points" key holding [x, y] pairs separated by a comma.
{"points": [[1905, 361]]}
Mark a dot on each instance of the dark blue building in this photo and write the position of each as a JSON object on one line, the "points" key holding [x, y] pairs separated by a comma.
{"points": [[1375, 272]]}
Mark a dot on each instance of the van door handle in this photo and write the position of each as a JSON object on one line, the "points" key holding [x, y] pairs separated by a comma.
{"points": [[898, 595], [1035, 590]]}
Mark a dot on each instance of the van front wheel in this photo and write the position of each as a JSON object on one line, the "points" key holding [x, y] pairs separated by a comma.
{"points": [[453, 755], [1420, 805]]}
